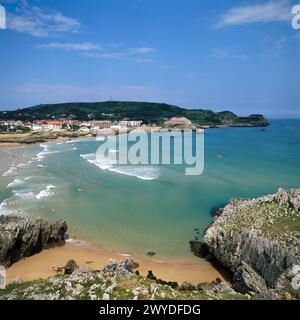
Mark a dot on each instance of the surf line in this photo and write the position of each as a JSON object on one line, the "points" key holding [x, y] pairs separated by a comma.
{"points": [[184, 147]]}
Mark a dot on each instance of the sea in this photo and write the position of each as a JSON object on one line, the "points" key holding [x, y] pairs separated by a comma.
{"points": [[139, 209]]}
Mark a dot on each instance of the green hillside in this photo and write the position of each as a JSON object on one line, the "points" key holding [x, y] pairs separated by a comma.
{"points": [[149, 113]]}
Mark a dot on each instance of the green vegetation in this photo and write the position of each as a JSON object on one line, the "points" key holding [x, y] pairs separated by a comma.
{"points": [[17, 129], [271, 219], [62, 287], [149, 113]]}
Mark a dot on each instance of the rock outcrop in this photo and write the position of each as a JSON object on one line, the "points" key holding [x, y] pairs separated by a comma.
{"points": [[199, 248], [264, 233], [246, 280], [22, 237]]}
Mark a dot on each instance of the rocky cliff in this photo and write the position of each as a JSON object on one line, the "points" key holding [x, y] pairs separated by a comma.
{"points": [[262, 233], [23, 237]]}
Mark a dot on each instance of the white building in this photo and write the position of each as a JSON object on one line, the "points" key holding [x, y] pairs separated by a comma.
{"points": [[130, 123]]}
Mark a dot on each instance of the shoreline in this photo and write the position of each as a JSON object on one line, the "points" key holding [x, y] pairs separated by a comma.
{"points": [[9, 145], [87, 254], [43, 264]]}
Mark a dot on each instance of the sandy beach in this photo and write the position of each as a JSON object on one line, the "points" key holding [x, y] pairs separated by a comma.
{"points": [[42, 265]]}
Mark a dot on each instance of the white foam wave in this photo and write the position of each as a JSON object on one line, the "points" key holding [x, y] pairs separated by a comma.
{"points": [[12, 171], [22, 165], [141, 172], [76, 141], [46, 193], [17, 182], [5, 208], [24, 195]]}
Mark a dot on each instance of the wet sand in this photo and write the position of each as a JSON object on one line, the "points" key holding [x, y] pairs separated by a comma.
{"points": [[42, 265]]}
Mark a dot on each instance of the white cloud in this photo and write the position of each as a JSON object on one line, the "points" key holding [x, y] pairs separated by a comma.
{"points": [[83, 46], [104, 51], [266, 12], [222, 54], [142, 50], [39, 22], [135, 55]]}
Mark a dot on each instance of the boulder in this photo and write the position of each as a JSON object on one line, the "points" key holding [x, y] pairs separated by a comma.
{"points": [[186, 286], [124, 268], [247, 281], [199, 248], [71, 267], [216, 287], [22, 237], [151, 253]]}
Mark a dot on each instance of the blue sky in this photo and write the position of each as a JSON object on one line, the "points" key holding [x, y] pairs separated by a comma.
{"points": [[223, 55]]}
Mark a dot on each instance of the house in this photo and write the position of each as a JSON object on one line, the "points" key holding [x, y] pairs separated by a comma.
{"points": [[130, 123], [37, 127], [178, 121], [101, 124], [85, 129]]}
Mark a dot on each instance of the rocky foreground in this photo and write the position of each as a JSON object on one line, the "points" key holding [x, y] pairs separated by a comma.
{"points": [[258, 240], [116, 281]]}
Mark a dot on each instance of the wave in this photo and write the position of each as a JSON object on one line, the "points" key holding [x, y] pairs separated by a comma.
{"points": [[5, 208], [40, 166], [17, 182], [45, 193], [22, 165], [12, 171], [41, 155], [24, 195], [76, 141], [44, 153], [142, 172]]}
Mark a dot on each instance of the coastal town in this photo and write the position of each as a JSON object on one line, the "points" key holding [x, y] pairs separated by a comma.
{"points": [[83, 127]]}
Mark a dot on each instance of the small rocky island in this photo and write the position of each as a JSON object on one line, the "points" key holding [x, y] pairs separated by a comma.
{"points": [[257, 240]]}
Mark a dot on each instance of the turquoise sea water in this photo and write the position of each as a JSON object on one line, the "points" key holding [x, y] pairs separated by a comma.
{"points": [[134, 215]]}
